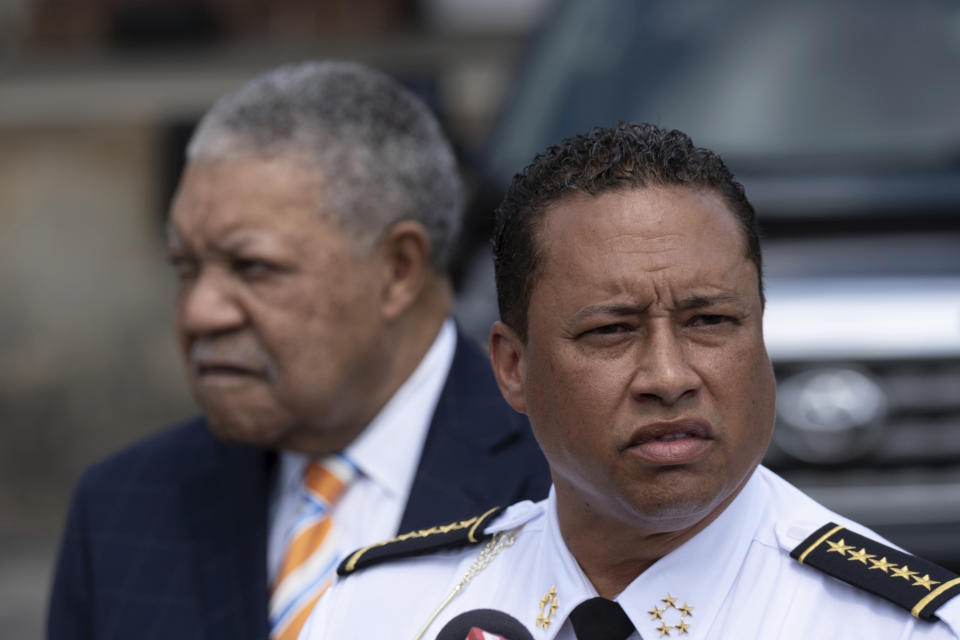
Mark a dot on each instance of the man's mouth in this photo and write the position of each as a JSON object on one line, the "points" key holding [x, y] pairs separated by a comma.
{"points": [[671, 443], [675, 436], [228, 360], [223, 369], [225, 373]]}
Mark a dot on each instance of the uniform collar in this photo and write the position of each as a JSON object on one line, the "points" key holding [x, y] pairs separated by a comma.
{"points": [[699, 573], [557, 583], [550, 582]]}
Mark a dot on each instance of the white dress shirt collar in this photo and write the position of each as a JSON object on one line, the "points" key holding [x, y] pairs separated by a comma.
{"points": [[388, 450]]}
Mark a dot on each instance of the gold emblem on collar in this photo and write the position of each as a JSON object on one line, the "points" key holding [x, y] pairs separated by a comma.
{"points": [[672, 617], [548, 607]]}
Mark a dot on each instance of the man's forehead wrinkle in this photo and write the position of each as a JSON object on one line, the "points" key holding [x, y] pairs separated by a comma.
{"points": [[202, 228], [191, 210], [639, 243]]}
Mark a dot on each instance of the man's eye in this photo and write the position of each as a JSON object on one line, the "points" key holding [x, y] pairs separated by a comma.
{"points": [[251, 266], [609, 329], [710, 319]]}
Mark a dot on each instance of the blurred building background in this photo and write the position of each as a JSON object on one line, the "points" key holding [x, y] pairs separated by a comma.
{"points": [[97, 98], [843, 119]]}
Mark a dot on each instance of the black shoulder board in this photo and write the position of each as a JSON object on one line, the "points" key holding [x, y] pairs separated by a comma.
{"points": [[913, 583], [447, 536]]}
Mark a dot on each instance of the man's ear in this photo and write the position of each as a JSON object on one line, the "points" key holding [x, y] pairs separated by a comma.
{"points": [[506, 356], [406, 263]]}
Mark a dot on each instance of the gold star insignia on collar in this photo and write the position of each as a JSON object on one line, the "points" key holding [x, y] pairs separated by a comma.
{"points": [[925, 581], [883, 565], [861, 556], [667, 618], [839, 547], [903, 572]]}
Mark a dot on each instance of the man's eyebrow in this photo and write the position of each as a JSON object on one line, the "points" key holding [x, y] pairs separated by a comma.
{"points": [[700, 301], [236, 242], [617, 309], [684, 304]]}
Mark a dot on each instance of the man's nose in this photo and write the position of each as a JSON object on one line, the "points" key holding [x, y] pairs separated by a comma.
{"points": [[208, 305], [664, 372]]}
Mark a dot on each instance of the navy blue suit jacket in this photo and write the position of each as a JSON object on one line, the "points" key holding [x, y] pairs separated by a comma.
{"points": [[168, 538]]}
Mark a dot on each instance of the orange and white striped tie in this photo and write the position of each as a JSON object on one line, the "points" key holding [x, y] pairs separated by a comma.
{"points": [[312, 553]]}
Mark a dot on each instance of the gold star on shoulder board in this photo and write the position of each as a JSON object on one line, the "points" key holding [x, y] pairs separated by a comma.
{"points": [[656, 613], [861, 556], [925, 581], [683, 627], [839, 547], [883, 565], [664, 629], [670, 600], [903, 572], [686, 610]]}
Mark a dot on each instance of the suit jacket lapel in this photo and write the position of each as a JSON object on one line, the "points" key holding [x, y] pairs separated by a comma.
{"points": [[463, 471], [226, 507]]}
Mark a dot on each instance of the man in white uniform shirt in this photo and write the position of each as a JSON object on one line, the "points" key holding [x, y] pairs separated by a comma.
{"points": [[629, 281]]}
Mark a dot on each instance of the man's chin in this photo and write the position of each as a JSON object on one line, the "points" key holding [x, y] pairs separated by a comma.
{"points": [[690, 502], [679, 505], [244, 431]]}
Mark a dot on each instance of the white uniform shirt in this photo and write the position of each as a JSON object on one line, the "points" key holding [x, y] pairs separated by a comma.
{"points": [[734, 579], [386, 454]]}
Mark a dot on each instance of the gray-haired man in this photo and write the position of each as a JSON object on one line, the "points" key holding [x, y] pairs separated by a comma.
{"points": [[309, 235]]}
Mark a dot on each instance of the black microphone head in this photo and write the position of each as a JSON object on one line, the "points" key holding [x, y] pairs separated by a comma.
{"points": [[489, 620]]}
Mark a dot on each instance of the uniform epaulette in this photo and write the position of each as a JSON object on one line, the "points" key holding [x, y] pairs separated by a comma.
{"points": [[913, 583], [413, 543]]}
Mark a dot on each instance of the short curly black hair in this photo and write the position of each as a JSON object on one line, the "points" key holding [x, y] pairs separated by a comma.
{"points": [[626, 156]]}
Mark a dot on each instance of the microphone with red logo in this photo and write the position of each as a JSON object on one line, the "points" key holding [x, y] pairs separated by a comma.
{"points": [[484, 624], [479, 634]]}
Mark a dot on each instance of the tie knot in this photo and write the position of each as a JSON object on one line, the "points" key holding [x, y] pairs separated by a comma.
{"points": [[600, 619], [328, 478]]}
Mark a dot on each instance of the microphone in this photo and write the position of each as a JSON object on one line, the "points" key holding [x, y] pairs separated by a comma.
{"points": [[484, 624]]}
